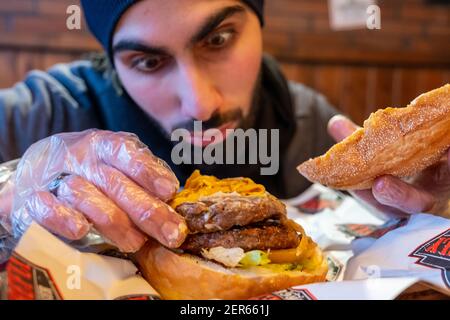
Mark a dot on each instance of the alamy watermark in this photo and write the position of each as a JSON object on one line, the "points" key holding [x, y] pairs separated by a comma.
{"points": [[373, 12], [235, 146], [73, 281], [73, 21], [374, 17]]}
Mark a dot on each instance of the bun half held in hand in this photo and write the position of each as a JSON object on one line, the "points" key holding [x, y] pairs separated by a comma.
{"points": [[241, 245], [394, 141]]}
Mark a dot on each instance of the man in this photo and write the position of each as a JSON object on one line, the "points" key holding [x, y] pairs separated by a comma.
{"points": [[171, 63]]}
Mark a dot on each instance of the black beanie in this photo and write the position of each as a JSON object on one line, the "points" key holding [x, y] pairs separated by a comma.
{"points": [[102, 17]]}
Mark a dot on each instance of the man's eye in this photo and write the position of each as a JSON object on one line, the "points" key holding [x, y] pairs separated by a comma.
{"points": [[220, 39], [147, 64]]}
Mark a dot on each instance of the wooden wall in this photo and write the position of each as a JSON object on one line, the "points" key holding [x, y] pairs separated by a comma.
{"points": [[359, 71], [363, 70]]}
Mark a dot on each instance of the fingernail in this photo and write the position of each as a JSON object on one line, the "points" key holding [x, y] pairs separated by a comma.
{"points": [[164, 188], [339, 127], [340, 122], [172, 233], [379, 185], [339, 118], [388, 190], [134, 240], [78, 228]]}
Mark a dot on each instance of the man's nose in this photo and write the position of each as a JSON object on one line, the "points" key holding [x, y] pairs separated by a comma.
{"points": [[199, 97]]}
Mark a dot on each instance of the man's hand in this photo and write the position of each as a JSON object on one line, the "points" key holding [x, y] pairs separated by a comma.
{"points": [[427, 192], [111, 181]]}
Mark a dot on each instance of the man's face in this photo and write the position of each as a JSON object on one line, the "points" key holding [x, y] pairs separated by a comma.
{"points": [[190, 60]]}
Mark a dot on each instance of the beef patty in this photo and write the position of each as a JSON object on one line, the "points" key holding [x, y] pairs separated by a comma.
{"points": [[224, 211], [260, 236]]}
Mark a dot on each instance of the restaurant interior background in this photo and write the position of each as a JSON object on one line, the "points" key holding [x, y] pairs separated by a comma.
{"points": [[358, 70]]}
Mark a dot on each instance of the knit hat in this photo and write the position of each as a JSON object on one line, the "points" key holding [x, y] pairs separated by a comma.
{"points": [[102, 17]]}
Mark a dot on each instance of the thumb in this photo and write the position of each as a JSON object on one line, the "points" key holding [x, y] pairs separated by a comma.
{"points": [[340, 127]]}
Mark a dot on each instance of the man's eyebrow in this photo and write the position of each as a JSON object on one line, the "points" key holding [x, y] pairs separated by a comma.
{"points": [[134, 45], [213, 21], [210, 24]]}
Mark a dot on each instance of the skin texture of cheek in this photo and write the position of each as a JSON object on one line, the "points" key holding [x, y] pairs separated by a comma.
{"points": [[240, 76], [152, 97]]}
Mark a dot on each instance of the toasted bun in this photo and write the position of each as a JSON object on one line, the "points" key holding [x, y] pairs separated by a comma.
{"points": [[394, 141], [186, 277]]}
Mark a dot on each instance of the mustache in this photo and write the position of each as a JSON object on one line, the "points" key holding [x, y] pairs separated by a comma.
{"points": [[216, 120]]}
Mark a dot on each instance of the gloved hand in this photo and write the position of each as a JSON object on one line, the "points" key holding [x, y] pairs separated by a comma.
{"points": [[111, 181], [429, 191]]}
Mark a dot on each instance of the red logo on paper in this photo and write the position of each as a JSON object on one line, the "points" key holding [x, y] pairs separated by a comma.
{"points": [[27, 281], [435, 253], [320, 202], [370, 230]]}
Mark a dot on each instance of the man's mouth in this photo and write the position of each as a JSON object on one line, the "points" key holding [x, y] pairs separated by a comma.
{"points": [[204, 138]]}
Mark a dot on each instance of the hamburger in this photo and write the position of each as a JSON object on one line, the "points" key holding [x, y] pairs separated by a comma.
{"points": [[241, 245]]}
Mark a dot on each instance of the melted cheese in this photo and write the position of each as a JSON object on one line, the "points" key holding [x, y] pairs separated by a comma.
{"points": [[199, 186]]}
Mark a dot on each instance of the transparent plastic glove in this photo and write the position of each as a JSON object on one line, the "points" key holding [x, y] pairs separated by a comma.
{"points": [[6, 240], [108, 180]]}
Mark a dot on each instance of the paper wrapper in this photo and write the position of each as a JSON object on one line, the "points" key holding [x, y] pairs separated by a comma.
{"points": [[369, 255], [43, 267]]}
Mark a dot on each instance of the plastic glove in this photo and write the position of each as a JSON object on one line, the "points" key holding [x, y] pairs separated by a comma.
{"points": [[114, 184]]}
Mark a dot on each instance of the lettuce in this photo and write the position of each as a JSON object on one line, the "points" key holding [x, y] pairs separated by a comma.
{"points": [[254, 258]]}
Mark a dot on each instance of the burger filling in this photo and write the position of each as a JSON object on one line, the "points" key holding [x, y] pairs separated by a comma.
{"points": [[237, 223], [261, 236]]}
